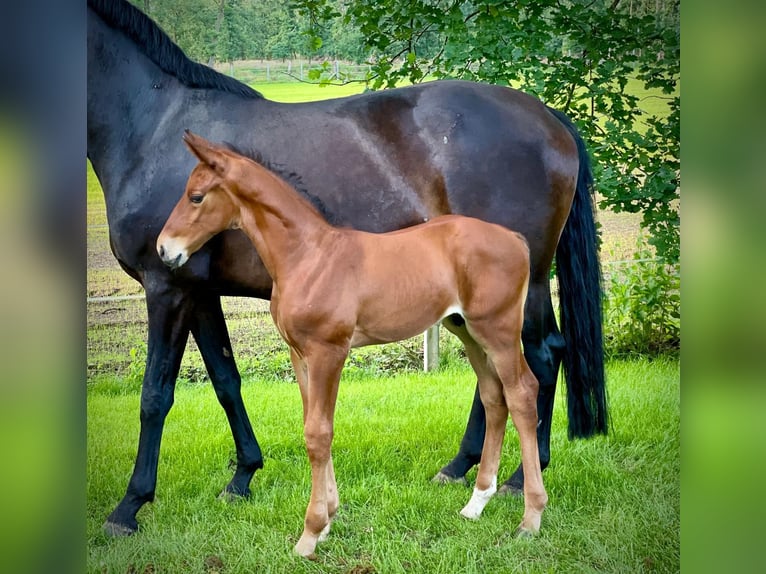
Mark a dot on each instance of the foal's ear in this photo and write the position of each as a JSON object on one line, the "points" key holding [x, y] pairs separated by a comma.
{"points": [[207, 152]]}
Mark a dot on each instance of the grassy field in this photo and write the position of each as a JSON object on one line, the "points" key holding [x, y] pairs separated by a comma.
{"points": [[614, 502]]}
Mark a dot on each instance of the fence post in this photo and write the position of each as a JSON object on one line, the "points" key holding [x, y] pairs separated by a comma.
{"points": [[431, 348]]}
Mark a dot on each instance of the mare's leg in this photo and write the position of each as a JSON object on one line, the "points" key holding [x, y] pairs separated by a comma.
{"points": [[543, 349], [324, 366], [212, 337], [169, 312], [469, 453]]}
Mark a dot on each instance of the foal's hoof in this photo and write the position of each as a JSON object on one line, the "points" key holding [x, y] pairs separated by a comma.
{"points": [[442, 478], [114, 530], [524, 534], [306, 547]]}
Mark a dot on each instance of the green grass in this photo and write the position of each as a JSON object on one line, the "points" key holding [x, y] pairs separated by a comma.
{"points": [[291, 92], [614, 502]]}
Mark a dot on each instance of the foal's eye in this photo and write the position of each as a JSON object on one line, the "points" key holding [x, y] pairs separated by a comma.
{"points": [[196, 198]]}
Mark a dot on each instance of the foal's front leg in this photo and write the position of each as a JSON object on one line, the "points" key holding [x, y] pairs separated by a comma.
{"points": [[319, 395], [301, 374]]}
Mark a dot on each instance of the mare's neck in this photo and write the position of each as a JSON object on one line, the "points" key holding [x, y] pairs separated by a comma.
{"points": [[124, 86], [284, 227]]}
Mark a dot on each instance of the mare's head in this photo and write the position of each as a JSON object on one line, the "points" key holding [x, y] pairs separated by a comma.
{"points": [[207, 206]]}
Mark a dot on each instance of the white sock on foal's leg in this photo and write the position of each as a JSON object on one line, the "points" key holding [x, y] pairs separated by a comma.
{"points": [[325, 533], [479, 500]]}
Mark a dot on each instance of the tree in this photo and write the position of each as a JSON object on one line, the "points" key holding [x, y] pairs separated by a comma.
{"points": [[590, 59]]}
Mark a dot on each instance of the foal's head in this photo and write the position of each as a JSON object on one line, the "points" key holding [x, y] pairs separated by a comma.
{"points": [[207, 206]]}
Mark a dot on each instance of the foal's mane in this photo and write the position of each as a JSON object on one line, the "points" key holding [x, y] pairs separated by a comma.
{"points": [[158, 47], [293, 179]]}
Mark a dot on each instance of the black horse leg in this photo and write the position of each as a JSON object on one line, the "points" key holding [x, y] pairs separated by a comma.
{"points": [[212, 336], [469, 453], [169, 319]]}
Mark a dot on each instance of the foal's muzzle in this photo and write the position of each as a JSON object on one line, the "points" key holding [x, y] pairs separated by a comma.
{"points": [[171, 259]]}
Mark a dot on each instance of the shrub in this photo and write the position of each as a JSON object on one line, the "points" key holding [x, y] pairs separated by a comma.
{"points": [[642, 309]]}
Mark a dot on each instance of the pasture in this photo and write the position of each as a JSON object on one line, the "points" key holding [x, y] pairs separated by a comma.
{"points": [[614, 502]]}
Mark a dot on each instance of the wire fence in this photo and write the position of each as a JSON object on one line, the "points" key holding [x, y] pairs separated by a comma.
{"points": [[117, 331], [260, 71]]}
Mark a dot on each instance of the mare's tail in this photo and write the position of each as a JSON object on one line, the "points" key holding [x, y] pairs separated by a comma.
{"points": [[580, 292]]}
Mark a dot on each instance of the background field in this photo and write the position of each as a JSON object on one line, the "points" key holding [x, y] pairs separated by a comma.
{"points": [[614, 502]]}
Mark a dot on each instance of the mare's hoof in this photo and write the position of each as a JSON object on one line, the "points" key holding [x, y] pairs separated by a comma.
{"points": [[114, 530], [442, 478], [233, 496], [511, 489]]}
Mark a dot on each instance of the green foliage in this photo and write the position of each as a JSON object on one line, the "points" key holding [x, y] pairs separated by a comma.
{"points": [[591, 60], [135, 375], [228, 30], [269, 365], [642, 309]]}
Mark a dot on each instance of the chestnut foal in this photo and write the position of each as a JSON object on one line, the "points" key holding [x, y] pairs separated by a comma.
{"points": [[337, 288]]}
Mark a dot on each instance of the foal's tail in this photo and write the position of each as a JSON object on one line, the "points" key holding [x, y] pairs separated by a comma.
{"points": [[580, 292]]}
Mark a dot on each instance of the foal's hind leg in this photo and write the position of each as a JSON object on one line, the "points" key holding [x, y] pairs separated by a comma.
{"points": [[493, 401], [520, 388], [543, 349], [496, 411], [501, 338]]}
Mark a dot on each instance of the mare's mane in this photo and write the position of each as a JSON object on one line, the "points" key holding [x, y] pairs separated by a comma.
{"points": [[293, 179], [158, 47]]}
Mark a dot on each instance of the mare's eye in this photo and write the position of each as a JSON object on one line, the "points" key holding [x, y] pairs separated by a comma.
{"points": [[196, 198]]}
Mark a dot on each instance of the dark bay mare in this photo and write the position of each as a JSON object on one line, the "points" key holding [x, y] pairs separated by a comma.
{"points": [[338, 288], [375, 162]]}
